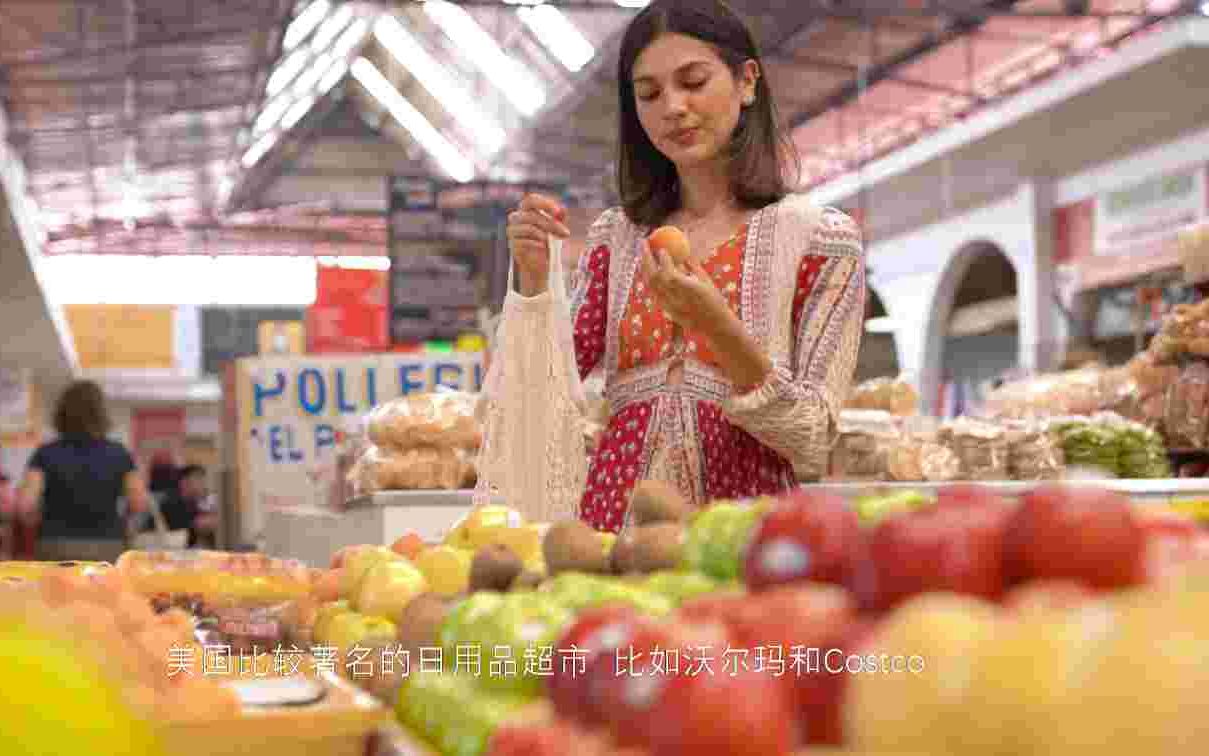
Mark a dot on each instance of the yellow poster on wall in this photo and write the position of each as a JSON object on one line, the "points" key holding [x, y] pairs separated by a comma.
{"points": [[123, 336]]}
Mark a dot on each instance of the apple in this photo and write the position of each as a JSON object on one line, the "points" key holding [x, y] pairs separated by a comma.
{"points": [[447, 569], [656, 655], [1026, 677], [360, 562], [342, 556], [907, 681], [409, 545], [964, 496], [585, 658], [680, 715], [324, 616], [481, 525], [351, 629], [805, 536], [554, 739], [388, 587], [1172, 541], [1077, 534], [820, 694], [950, 549]]}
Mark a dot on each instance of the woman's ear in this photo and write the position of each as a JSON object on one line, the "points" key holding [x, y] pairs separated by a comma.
{"points": [[750, 74]]}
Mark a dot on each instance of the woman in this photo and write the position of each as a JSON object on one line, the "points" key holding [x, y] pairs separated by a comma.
{"points": [[724, 376], [72, 486]]}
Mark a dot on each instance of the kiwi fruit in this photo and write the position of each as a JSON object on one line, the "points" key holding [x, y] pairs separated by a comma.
{"points": [[658, 547], [654, 501], [528, 580], [621, 559], [573, 546], [419, 624], [494, 568]]}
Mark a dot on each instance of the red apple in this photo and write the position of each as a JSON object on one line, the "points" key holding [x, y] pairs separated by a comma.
{"points": [[714, 606], [1080, 534], [555, 739], [956, 549], [344, 554], [807, 536], [656, 655], [966, 496], [746, 713], [409, 545], [820, 695], [587, 659]]}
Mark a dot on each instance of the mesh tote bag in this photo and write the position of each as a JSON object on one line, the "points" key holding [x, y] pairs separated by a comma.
{"points": [[532, 408]]}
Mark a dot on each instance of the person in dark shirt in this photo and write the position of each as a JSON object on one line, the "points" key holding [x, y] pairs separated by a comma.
{"points": [[187, 507], [72, 485]]}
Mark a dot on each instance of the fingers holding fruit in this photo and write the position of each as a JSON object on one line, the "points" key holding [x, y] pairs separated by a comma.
{"points": [[684, 291], [529, 228]]}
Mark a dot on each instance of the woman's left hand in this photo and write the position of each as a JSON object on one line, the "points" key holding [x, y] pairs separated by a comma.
{"points": [[685, 293]]}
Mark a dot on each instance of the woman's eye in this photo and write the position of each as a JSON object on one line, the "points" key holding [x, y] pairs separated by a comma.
{"points": [[697, 84], [648, 96]]}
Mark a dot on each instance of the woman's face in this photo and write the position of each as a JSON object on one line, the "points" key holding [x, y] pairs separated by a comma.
{"points": [[687, 98]]}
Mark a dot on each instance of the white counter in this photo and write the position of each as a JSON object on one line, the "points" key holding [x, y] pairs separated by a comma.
{"points": [[312, 536]]}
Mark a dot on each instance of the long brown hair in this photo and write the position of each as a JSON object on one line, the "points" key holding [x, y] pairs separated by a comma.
{"points": [[81, 411], [761, 154]]}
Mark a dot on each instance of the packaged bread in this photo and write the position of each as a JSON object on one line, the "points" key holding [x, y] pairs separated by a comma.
{"points": [[863, 442], [418, 469], [1186, 413], [893, 395], [1033, 453], [981, 446], [435, 419]]}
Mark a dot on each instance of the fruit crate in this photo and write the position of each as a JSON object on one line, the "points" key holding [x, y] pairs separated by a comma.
{"points": [[344, 722]]}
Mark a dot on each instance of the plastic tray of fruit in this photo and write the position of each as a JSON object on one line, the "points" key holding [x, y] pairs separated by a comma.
{"points": [[318, 715], [215, 576]]}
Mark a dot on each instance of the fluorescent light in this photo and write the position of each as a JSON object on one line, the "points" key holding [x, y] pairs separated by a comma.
{"points": [[434, 143], [556, 32], [524, 91], [350, 38], [271, 114], [633, 3], [305, 23], [285, 72], [357, 262], [258, 150], [331, 27], [1205, 8], [307, 81], [450, 93], [295, 114], [333, 76]]}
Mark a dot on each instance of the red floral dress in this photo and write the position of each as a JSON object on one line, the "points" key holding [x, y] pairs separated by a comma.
{"points": [[694, 432]]}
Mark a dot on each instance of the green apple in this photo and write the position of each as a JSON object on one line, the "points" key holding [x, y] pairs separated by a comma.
{"points": [[677, 586], [453, 713], [351, 629], [359, 563], [324, 616], [388, 587], [457, 625]]}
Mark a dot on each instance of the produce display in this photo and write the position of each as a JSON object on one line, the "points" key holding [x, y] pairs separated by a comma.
{"points": [[425, 441], [765, 626], [893, 395]]}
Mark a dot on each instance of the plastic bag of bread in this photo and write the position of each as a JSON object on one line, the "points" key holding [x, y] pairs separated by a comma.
{"points": [[893, 395], [863, 442], [1186, 414], [1033, 453], [417, 469], [982, 448], [434, 419]]}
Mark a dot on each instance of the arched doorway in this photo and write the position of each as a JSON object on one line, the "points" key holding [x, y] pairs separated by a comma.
{"points": [[975, 323], [878, 357]]}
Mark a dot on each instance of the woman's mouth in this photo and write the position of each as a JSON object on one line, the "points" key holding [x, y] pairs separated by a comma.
{"points": [[685, 137]]}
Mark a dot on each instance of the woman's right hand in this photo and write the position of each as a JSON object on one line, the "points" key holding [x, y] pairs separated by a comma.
{"points": [[529, 227]]}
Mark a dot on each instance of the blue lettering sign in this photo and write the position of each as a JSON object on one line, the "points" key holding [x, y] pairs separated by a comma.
{"points": [[275, 443], [342, 404], [325, 436], [478, 376], [311, 376], [439, 370], [260, 393], [371, 386], [295, 452], [406, 384]]}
